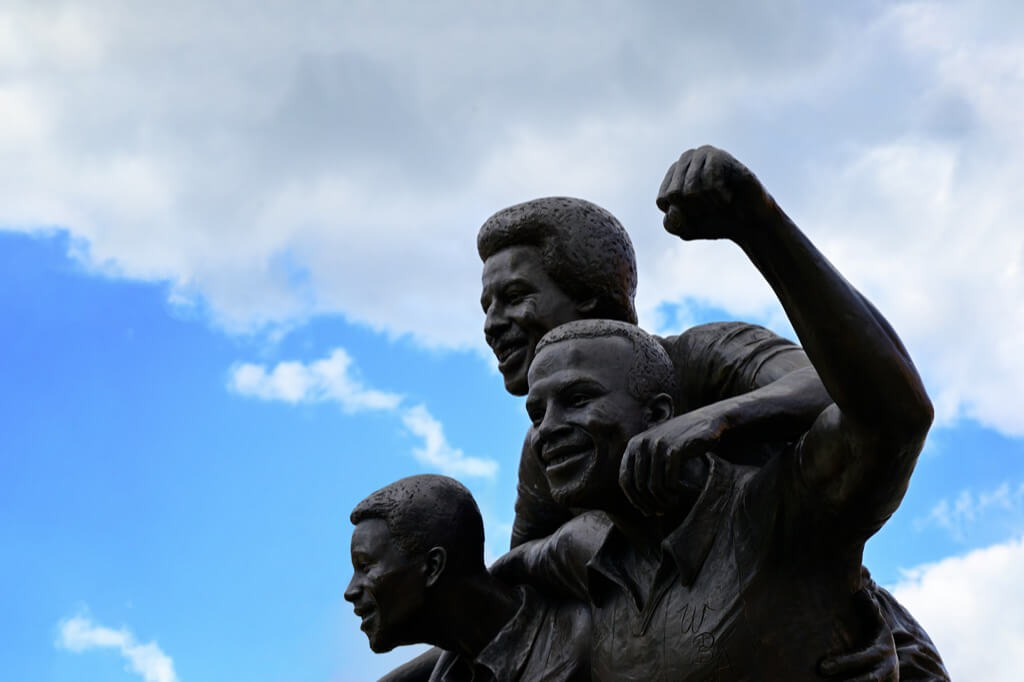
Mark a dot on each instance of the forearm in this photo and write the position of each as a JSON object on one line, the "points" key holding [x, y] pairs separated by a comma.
{"points": [[861, 362], [779, 411]]}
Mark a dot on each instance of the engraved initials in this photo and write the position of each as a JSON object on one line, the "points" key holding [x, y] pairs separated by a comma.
{"points": [[693, 618]]}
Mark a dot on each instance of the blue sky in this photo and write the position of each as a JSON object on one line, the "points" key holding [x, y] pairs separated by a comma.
{"points": [[239, 288]]}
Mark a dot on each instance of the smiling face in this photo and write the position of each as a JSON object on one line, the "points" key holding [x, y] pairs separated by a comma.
{"points": [[387, 587], [583, 415], [522, 303]]}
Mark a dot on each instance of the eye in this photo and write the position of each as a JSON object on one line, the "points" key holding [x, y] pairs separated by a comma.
{"points": [[515, 295], [535, 413], [579, 399]]}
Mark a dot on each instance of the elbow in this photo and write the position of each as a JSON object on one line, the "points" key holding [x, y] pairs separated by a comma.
{"points": [[922, 414], [913, 421], [927, 415]]}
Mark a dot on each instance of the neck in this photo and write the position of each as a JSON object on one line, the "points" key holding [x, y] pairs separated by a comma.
{"points": [[470, 611]]}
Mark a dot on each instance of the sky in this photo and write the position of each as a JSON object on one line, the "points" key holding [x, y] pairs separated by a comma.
{"points": [[239, 288]]}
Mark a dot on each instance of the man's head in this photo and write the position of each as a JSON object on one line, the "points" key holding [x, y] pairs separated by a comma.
{"points": [[594, 384], [547, 262], [409, 536]]}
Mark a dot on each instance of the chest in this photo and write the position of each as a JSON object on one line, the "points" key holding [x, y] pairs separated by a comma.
{"points": [[740, 619]]}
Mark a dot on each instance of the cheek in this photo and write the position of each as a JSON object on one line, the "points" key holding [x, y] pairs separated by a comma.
{"points": [[403, 590], [527, 317], [605, 421]]}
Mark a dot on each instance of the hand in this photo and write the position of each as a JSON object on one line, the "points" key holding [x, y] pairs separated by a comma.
{"points": [[708, 194], [664, 465], [877, 662]]}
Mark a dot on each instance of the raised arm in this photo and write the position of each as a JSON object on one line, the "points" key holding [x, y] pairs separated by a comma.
{"points": [[860, 452]]}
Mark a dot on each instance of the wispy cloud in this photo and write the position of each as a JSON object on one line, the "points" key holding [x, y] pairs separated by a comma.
{"points": [[333, 379], [968, 604], [329, 379], [957, 515], [437, 452], [148, 660]]}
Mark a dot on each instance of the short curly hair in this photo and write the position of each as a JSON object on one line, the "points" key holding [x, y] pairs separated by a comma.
{"points": [[584, 249], [650, 372], [428, 511]]}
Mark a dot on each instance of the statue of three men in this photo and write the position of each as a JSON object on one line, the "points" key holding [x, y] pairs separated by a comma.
{"points": [[690, 507]]}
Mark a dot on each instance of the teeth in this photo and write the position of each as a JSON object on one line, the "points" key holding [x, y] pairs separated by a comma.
{"points": [[505, 350], [558, 458]]}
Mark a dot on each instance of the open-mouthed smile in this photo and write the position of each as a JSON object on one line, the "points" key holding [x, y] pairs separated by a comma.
{"points": [[557, 456], [509, 351]]}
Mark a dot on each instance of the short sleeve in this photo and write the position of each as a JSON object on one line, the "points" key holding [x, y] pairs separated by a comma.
{"points": [[719, 360], [918, 657]]}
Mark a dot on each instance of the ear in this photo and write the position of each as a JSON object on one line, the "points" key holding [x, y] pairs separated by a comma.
{"points": [[588, 308], [659, 409], [434, 564]]}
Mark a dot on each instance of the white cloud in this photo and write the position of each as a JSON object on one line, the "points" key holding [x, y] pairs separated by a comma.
{"points": [[338, 160], [970, 607], [436, 452], [958, 515], [80, 634], [331, 380]]}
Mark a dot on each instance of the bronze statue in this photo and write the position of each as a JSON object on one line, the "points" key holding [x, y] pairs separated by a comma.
{"points": [[745, 394], [743, 573]]}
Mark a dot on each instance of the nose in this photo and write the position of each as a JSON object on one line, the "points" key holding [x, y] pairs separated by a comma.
{"points": [[550, 426], [353, 590], [495, 320]]}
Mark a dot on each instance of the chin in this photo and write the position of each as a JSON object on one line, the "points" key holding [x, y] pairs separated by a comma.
{"points": [[584, 494], [379, 646], [516, 384], [572, 496]]}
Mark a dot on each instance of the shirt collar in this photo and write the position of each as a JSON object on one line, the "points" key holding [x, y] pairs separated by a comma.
{"points": [[690, 542]]}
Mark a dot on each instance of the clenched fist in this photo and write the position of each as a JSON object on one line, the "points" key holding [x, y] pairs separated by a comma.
{"points": [[664, 466], [708, 194]]}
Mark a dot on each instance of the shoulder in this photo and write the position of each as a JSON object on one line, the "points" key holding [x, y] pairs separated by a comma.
{"points": [[584, 533], [716, 333], [719, 360]]}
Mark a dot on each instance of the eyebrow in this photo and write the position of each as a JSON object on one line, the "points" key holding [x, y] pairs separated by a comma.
{"points": [[506, 284], [570, 384]]}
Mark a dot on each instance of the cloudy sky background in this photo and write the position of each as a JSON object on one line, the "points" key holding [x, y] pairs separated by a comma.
{"points": [[239, 288]]}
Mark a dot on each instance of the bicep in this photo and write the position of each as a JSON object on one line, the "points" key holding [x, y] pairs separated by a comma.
{"points": [[852, 476]]}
